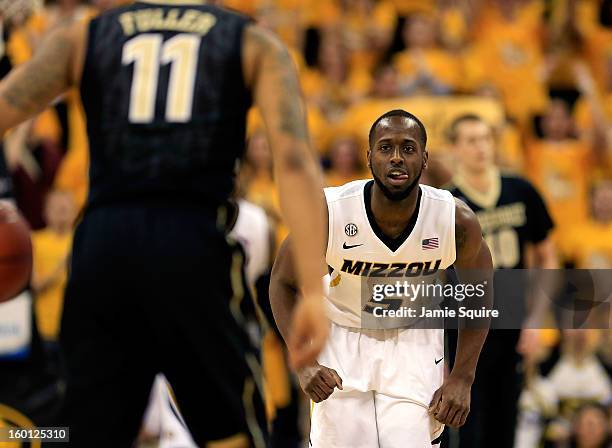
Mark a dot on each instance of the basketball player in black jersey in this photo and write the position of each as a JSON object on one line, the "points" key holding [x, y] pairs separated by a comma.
{"points": [[154, 284], [516, 225]]}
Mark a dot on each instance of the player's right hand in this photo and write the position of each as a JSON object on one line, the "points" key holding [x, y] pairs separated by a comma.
{"points": [[309, 331], [318, 382]]}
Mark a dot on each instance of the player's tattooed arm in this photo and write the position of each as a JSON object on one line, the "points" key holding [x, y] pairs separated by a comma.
{"points": [[271, 74], [270, 71], [451, 402], [30, 87]]}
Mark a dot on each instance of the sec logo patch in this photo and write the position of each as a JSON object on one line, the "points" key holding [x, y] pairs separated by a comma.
{"points": [[350, 229]]}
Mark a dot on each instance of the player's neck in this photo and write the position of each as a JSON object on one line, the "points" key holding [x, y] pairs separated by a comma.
{"points": [[481, 181], [391, 213]]}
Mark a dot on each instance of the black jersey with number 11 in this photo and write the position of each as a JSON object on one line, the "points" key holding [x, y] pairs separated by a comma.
{"points": [[165, 101]]}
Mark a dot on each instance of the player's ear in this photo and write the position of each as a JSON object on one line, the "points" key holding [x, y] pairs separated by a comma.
{"points": [[425, 158], [368, 156]]}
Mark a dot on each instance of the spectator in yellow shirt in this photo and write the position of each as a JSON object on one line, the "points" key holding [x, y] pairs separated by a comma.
{"points": [[591, 108], [597, 39], [560, 165], [256, 181], [598, 128], [507, 52], [589, 245], [345, 163], [386, 83], [367, 27], [51, 248], [426, 66], [332, 84], [256, 173]]}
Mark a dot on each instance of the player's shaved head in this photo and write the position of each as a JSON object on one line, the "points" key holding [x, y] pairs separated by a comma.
{"points": [[399, 113]]}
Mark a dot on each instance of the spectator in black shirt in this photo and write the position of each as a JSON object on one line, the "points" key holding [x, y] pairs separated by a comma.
{"points": [[516, 226]]}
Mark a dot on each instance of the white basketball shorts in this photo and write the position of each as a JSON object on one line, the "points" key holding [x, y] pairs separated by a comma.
{"points": [[388, 378]]}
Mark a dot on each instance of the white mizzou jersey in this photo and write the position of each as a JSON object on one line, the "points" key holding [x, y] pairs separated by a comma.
{"points": [[356, 247]]}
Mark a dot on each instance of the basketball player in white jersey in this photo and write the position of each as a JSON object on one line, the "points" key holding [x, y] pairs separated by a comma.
{"points": [[386, 388]]}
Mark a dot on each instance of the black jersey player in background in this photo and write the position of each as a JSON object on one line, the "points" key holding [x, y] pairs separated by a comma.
{"points": [[154, 283], [516, 226]]}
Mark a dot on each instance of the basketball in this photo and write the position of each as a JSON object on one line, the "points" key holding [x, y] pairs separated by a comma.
{"points": [[15, 252]]}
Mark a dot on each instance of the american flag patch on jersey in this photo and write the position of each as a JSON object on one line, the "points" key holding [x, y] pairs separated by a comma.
{"points": [[430, 243]]}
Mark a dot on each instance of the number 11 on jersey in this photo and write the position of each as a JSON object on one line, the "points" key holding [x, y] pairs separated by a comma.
{"points": [[148, 52]]}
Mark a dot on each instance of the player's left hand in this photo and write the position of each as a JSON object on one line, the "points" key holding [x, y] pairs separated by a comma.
{"points": [[451, 402]]}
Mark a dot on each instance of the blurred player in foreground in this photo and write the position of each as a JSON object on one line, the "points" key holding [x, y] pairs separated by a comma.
{"points": [[163, 424], [166, 87], [389, 382]]}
